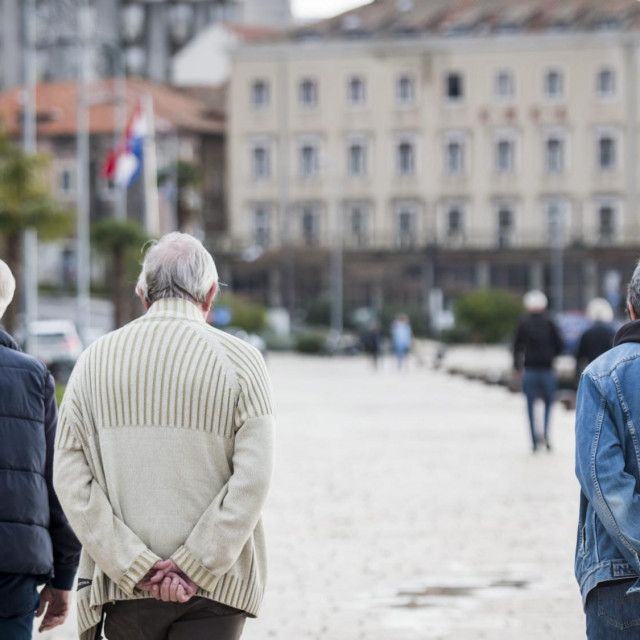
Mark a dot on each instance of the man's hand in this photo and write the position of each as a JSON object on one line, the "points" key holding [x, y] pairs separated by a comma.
{"points": [[167, 582], [56, 604]]}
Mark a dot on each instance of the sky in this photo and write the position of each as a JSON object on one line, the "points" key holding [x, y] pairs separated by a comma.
{"points": [[322, 8]]}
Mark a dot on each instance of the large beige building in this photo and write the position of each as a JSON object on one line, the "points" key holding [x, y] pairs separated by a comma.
{"points": [[446, 147]]}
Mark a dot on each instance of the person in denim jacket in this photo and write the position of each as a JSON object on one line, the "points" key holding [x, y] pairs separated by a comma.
{"points": [[607, 561]]}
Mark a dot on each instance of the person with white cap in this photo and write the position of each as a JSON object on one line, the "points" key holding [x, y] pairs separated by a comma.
{"points": [[537, 343]]}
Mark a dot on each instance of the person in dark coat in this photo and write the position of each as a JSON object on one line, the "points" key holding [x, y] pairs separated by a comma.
{"points": [[598, 338], [37, 545], [537, 343]]}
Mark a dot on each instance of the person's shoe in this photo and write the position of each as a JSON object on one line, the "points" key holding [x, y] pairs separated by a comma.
{"points": [[547, 444]]}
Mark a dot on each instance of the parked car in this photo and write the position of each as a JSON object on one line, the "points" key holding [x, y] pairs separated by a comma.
{"points": [[56, 343]]}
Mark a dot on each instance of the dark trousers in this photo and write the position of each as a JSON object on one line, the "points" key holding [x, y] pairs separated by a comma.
{"points": [[539, 383], [611, 614], [19, 600], [149, 619]]}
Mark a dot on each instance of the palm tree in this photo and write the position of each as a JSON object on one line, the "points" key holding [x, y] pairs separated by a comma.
{"points": [[119, 240], [25, 203]]}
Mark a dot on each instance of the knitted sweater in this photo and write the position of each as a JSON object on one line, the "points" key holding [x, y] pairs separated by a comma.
{"points": [[164, 450]]}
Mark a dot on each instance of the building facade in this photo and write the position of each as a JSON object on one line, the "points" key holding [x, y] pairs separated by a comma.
{"points": [[139, 37], [494, 145]]}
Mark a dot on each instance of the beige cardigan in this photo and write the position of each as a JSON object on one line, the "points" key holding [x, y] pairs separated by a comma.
{"points": [[165, 449]]}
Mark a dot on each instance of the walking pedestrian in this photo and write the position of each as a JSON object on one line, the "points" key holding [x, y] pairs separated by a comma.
{"points": [[36, 542], [401, 338], [371, 341], [598, 338], [163, 462], [536, 345], [607, 561]]}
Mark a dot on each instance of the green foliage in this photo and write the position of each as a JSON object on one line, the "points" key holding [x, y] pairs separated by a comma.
{"points": [[109, 235], [246, 315], [318, 313], [490, 315], [311, 342], [60, 388]]}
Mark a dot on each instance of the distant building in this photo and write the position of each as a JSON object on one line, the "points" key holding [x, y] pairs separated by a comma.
{"points": [[206, 60], [189, 132], [139, 36], [448, 146]]}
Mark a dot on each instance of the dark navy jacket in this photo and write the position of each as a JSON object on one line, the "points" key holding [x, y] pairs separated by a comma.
{"points": [[35, 536]]}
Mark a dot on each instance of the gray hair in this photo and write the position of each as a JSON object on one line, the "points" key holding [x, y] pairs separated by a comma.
{"points": [[177, 266], [535, 301], [7, 287], [633, 291], [599, 310]]}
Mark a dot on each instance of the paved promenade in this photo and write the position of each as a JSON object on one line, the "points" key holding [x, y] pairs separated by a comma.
{"points": [[407, 506]]}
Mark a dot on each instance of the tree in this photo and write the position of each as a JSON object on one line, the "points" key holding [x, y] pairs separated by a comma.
{"points": [[490, 315], [120, 241], [189, 182], [25, 203]]}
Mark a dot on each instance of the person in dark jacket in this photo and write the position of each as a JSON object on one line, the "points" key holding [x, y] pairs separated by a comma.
{"points": [[598, 338], [37, 544], [537, 343]]}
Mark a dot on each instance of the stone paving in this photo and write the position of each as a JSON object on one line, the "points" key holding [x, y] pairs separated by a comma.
{"points": [[407, 506]]}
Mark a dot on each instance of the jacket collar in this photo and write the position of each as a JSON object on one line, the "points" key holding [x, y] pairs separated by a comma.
{"points": [[7, 341], [629, 332], [175, 308]]}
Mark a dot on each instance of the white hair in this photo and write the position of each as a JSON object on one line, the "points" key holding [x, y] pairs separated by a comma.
{"points": [[599, 310], [177, 266], [7, 287], [535, 301]]}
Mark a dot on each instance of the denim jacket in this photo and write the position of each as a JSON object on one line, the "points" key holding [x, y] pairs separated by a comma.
{"points": [[608, 465]]}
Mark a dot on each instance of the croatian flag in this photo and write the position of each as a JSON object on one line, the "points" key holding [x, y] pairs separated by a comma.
{"points": [[123, 165]]}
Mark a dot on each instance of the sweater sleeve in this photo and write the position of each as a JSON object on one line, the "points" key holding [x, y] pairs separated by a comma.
{"points": [[224, 528], [66, 548], [109, 542]]}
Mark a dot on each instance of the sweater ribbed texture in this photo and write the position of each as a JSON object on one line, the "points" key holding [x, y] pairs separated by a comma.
{"points": [[164, 449]]}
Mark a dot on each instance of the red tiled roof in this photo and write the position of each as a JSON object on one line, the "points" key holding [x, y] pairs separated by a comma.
{"points": [[393, 17], [56, 108]]}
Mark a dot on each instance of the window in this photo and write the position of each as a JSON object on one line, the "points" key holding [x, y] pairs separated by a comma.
{"points": [[605, 83], [553, 84], [454, 87], [357, 163], [556, 210], [260, 161], [357, 227], [308, 93], [505, 85], [66, 182], [454, 156], [260, 94], [356, 91], [405, 90], [309, 157], [505, 155], [606, 152], [606, 223], [554, 154], [407, 222], [406, 158], [506, 224], [455, 222], [310, 224], [261, 225]]}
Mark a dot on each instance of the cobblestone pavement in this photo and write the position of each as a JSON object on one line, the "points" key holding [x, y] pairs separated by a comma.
{"points": [[407, 506]]}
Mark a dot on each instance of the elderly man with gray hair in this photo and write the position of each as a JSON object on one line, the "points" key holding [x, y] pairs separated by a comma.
{"points": [[536, 345], [607, 560], [37, 545], [163, 461]]}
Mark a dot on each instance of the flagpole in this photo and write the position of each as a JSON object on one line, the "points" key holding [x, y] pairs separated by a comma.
{"points": [[149, 166], [83, 264]]}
